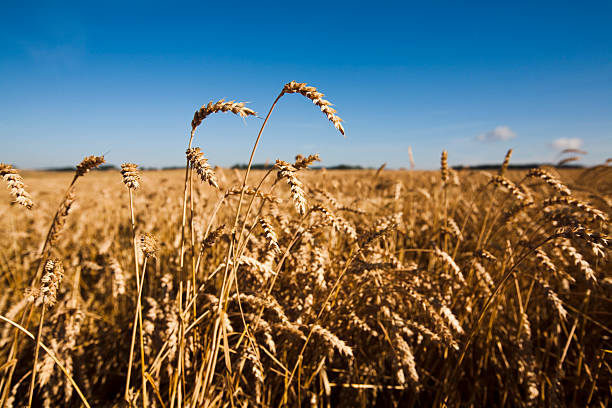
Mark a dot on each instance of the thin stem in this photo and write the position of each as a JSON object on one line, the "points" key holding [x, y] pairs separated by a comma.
{"points": [[131, 359], [193, 262], [142, 354], [36, 350], [187, 168], [228, 276], [248, 169]]}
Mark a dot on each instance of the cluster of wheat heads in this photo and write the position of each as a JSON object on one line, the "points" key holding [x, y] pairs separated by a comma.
{"points": [[305, 287]]}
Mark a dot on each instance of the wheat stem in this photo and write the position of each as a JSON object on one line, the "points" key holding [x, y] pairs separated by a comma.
{"points": [[36, 350]]}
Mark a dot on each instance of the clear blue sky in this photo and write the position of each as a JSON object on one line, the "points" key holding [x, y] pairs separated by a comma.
{"points": [[124, 78]]}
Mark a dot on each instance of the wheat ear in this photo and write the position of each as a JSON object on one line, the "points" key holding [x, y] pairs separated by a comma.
{"points": [[270, 235], [131, 175], [504, 166], [302, 162], [236, 108], [200, 164], [550, 180], [287, 171], [317, 98], [89, 163], [15, 183]]}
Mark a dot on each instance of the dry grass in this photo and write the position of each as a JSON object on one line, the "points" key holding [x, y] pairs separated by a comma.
{"points": [[343, 288]]}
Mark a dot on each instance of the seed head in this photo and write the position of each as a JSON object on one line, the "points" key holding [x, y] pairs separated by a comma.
{"points": [[317, 98], [50, 281], [504, 166], [444, 166], [148, 244], [88, 163], [131, 175], [236, 108], [15, 183], [200, 164]]}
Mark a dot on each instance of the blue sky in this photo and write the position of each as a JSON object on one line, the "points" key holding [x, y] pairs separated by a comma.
{"points": [[124, 78]]}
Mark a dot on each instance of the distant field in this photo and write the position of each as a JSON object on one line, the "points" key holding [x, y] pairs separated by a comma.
{"points": [[394, 287]]}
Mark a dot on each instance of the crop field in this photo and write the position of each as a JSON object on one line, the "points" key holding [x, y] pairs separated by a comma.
{"points": [[295, 286]]}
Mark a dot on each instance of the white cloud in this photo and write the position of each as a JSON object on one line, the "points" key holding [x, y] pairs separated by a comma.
{"points": [[496, 134], [567, 143]]}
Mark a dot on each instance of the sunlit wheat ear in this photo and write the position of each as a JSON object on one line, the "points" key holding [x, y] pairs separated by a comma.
{"points": [[390, 221], [367, 238], [15, 183], [527, 362], [212, 238], [302, 162], [248, 190], [287, 171], [62, 216], [317, 98], [332, 201], [337, 222], [148, 245], [89, 163], [578, 151], [131, 175], [486, 255], [586, 208], [444, 167], [200, 164], [578, 260], [270, 234], [522, 197], [504, 166], [411, 158], [405, 361], [236, 108], [586, 234], [452, 229], [50, 281], [117, 276], [567, 160], [552, 297], [448, 260], [484, 278], [550, 180], [332, 341]]}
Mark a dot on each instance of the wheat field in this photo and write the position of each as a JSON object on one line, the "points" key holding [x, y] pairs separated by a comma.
{"points": [[294, 286]]}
